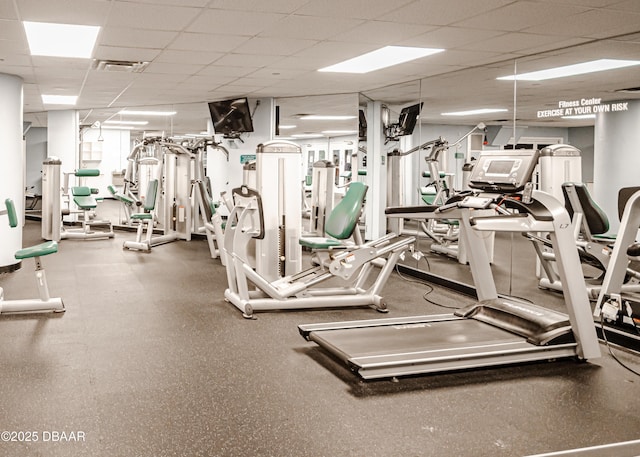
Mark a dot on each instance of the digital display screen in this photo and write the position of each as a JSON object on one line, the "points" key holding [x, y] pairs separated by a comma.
{"points": [[500, 167]]}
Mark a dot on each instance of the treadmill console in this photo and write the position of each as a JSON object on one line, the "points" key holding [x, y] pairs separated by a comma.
{"points": [[503, 171]]}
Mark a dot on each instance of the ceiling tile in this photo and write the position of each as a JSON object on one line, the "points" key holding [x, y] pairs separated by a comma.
{"points": [[223, 70], [85, 12], [522, 15], [151, 16], [308, 27], [441, 12], [451, 37], [593, 23], [136, 38], [233, 22], [188, 57], [276, 6], [125, 54], [197, 3], [359, 9], [247, 60], [383, 33], [274, 46], [207, 42]]}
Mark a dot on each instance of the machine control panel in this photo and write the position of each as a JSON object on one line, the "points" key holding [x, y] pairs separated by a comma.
{"points": [[503, 171]]}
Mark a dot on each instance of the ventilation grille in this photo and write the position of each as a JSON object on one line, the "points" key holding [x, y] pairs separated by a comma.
{"points": [[122, 66]]}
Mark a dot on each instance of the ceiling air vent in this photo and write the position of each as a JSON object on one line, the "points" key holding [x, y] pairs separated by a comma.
{"points": [[122, 66]]}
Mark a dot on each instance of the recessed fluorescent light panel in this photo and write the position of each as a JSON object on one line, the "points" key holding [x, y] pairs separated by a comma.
{"points": [[572, 70], [286, 127], [381, 58], [317, 117], [339, 132], [147, 113], [61, 40], [59, 99], [307, 135], [118, 127], [126, 122], [475, 111]]}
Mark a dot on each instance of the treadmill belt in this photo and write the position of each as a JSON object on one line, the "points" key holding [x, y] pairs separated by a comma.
{"points": [[423, 346], [415, 337]]}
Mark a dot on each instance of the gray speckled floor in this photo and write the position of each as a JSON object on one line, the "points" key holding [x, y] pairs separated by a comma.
{"points": [[149, 360]]}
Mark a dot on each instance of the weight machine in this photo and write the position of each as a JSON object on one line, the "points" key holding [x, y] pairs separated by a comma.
{"points": [[167, 199], [349, 266], [53, 197]]}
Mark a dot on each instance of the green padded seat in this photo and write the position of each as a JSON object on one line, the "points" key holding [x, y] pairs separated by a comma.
{"points": [[141, 216], [83, 198], [319, 242], [38, 250]]}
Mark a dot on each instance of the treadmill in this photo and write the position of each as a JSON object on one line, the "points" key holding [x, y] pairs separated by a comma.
{"points": [[495, 330]]}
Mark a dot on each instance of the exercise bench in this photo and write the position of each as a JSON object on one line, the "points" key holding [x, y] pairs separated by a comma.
{"points": [[45, 303]]}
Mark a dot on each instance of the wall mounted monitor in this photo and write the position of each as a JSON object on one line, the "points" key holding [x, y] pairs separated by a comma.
{"points": [[231, 117], [408, 118]]}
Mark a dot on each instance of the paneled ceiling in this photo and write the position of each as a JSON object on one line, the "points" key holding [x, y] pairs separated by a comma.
{"points": [[205, 50]]}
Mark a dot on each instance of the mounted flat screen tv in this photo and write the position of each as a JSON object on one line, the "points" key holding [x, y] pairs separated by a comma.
{"points": [[408, 118], [362, 126], [231, 117]]}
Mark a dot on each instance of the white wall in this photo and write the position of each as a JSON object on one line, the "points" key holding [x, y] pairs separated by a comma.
{"points": [[227, 175], [115, 149]]}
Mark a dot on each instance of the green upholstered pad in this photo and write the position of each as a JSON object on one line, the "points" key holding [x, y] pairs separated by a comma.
{"points": [[141, 216], [362, 172], [84, 172], [319, 242], [152, 190], [37, 251], [11, 212], [81, 191], [83, 198], [120, 196], [344, 217]]}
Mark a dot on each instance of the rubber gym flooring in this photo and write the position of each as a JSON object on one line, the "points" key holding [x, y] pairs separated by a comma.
{"points": [[149, 360]]}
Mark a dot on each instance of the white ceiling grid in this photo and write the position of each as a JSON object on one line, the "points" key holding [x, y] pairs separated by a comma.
{"points": [[211, 49]]}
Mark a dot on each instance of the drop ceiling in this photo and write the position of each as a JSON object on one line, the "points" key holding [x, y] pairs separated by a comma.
{"points": [[204, 50]]}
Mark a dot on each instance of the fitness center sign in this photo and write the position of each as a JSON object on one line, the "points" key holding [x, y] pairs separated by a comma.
{"points": [[583, 107]]}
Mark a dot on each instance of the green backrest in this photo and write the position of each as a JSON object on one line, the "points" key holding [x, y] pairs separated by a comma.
{"points": [[343, 219], [11, 212], [209, 207], [86, 172], [152, 191], [81, 191]]}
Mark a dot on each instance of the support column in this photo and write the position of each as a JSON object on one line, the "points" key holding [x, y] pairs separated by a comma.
{"points": [[616, 159], [11, 168], [63, 138], [376, 222]]}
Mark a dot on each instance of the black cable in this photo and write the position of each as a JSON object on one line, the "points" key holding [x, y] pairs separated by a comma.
{"points": [[604, 336], [424, 296]]}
